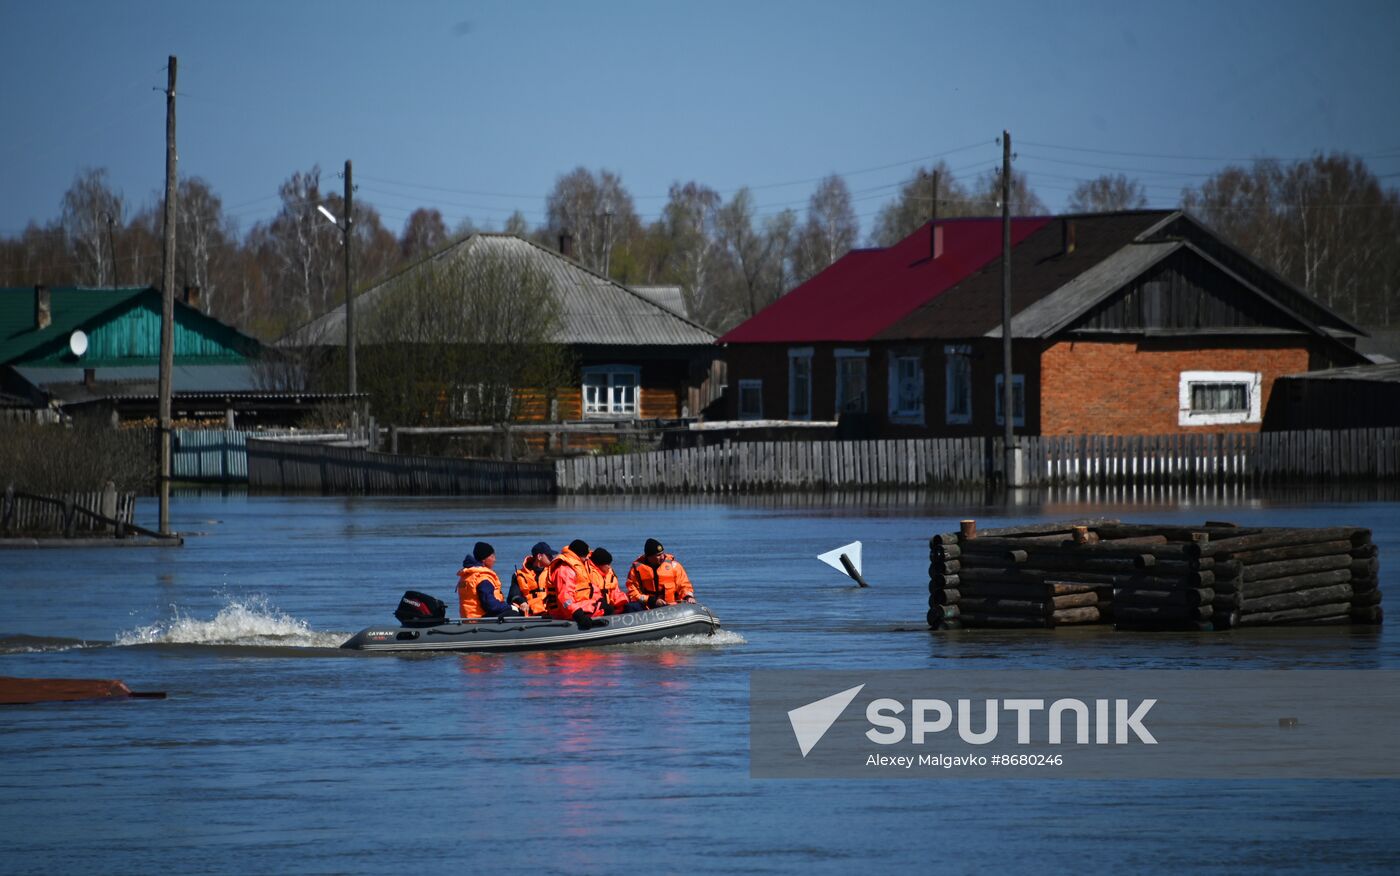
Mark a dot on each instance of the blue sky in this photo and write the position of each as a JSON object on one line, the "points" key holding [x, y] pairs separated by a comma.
{"points": [[476, 107]]}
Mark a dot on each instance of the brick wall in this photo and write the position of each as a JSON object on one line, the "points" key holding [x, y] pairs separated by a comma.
{"points": [[1131, 387]]}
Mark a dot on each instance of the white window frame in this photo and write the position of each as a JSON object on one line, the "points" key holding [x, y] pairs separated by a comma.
{"points": [[794, 355], [1018, 417], [750, 384], [842, 354], [914, 415], [956, 353], [1253, 382], [610, 408]]}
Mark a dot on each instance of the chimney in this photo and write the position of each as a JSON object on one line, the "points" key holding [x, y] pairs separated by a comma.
{"points": [[566, 244], [43, 308], [90, 377], [935, 242], [192, 296], [1066, 236]]}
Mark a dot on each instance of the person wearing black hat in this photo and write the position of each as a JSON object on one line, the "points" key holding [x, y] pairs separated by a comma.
{"points": [[529, 584], [571, 595], [656, 578], [612, 595], [478, 587]]}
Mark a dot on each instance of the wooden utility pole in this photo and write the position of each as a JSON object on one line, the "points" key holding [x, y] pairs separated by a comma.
{"points": [[349, 283], [933, 220], [167, 300], [1009, 463]]}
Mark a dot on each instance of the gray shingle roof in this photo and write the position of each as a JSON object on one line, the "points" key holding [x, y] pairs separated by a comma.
{"points": [[595, 310]]}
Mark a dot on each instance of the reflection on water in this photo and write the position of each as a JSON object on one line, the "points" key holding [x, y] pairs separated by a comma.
{"points": [[268, 756]]}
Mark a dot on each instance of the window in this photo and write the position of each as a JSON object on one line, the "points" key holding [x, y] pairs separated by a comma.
{"points": [[1018, 400], [959, 380], [751, 399], [800, 383], [906, 387], [851, 382], [1213, 398], [610, 390]]}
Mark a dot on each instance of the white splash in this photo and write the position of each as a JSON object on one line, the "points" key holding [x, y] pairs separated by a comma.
{"points": [[250, 622], [720, 639]]}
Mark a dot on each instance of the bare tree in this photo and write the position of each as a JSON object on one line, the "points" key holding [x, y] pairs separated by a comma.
{"points": [[1106, 194], [688, 225], [303, 249], [911, 207], [596, 209], [516, 224], [986, 196], [830, 231], [752, 260], [91, 213], [463, 341], [423, 233]]}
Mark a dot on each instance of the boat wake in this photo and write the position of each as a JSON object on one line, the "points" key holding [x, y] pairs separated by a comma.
{"points": [[44, 644], [720, 639], [250, 622]]}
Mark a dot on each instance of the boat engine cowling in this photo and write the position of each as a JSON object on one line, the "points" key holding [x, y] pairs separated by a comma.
{"points": [[420, 610]]}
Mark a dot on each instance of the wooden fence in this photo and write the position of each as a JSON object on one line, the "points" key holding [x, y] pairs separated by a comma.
{"points": [[221, 455], [289, 466], [69, 515], [1272, 457]]}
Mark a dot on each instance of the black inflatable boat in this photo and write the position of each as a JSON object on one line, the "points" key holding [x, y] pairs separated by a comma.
{"points": [[531, 633]]}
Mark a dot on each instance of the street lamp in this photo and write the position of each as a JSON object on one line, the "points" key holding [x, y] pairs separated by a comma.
{"points": [[346, 236]]}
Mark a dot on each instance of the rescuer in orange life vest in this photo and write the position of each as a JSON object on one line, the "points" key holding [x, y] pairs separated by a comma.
{"points": [[478, 588], [530, 583], [613, 595], [657, 579], [571, 595]]}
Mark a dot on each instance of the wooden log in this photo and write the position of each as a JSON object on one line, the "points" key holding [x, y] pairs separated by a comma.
{"points": [[1266, 618], [1065, 588], [1372, 614], [1003, 590], [1227, 600], [945, 581], [1365, 598], [1164, 597], [1365, 568], [1296, 599], [967, 530], [944, 538], [1145, 614], [1042, 576], [1102, 550], [1080, 535], [1256, 589], [1173, 533], [946, 597], [1000, 605], [1285, 537], [1289, 568], [1333, 620], [1076, 562], [1227, 569], [1365, 551], [1086, 615], [1292, 552], [1225, 618], [1017, 556], [1135, 540], [946, 552], [982, 619], [1074, 600], [1361, 585]]}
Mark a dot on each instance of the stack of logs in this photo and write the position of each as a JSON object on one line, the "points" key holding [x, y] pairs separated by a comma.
{"points": [[1147, 577]]}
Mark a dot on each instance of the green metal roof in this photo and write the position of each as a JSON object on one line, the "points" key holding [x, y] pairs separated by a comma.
{"points": [[122, 325]]}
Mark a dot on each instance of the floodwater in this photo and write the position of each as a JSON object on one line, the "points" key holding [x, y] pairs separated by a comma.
{"points": [[276, 752]]}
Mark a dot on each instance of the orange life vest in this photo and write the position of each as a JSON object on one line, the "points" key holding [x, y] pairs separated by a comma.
{"points": [[668, 580], [606, 584], [583, 581], [467, 597], [533, 586]]}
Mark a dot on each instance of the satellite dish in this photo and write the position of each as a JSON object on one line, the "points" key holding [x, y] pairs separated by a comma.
{"points": [[77, 342]]}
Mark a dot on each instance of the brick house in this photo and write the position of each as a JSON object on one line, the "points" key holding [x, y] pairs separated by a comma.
{"points": [[1141, 322]]}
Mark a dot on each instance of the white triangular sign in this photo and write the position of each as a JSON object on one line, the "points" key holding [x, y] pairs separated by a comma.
{"points": [[810, 722], [833, 558]]}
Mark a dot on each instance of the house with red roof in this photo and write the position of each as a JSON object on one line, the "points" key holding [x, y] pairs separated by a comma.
{"points": [[1137, 322]]}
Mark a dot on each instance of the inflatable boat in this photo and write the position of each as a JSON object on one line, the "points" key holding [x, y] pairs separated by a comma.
{"points": [[531, 633]]}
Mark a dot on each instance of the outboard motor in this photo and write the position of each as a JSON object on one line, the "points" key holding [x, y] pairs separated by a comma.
{"points": [[420, 610]]}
